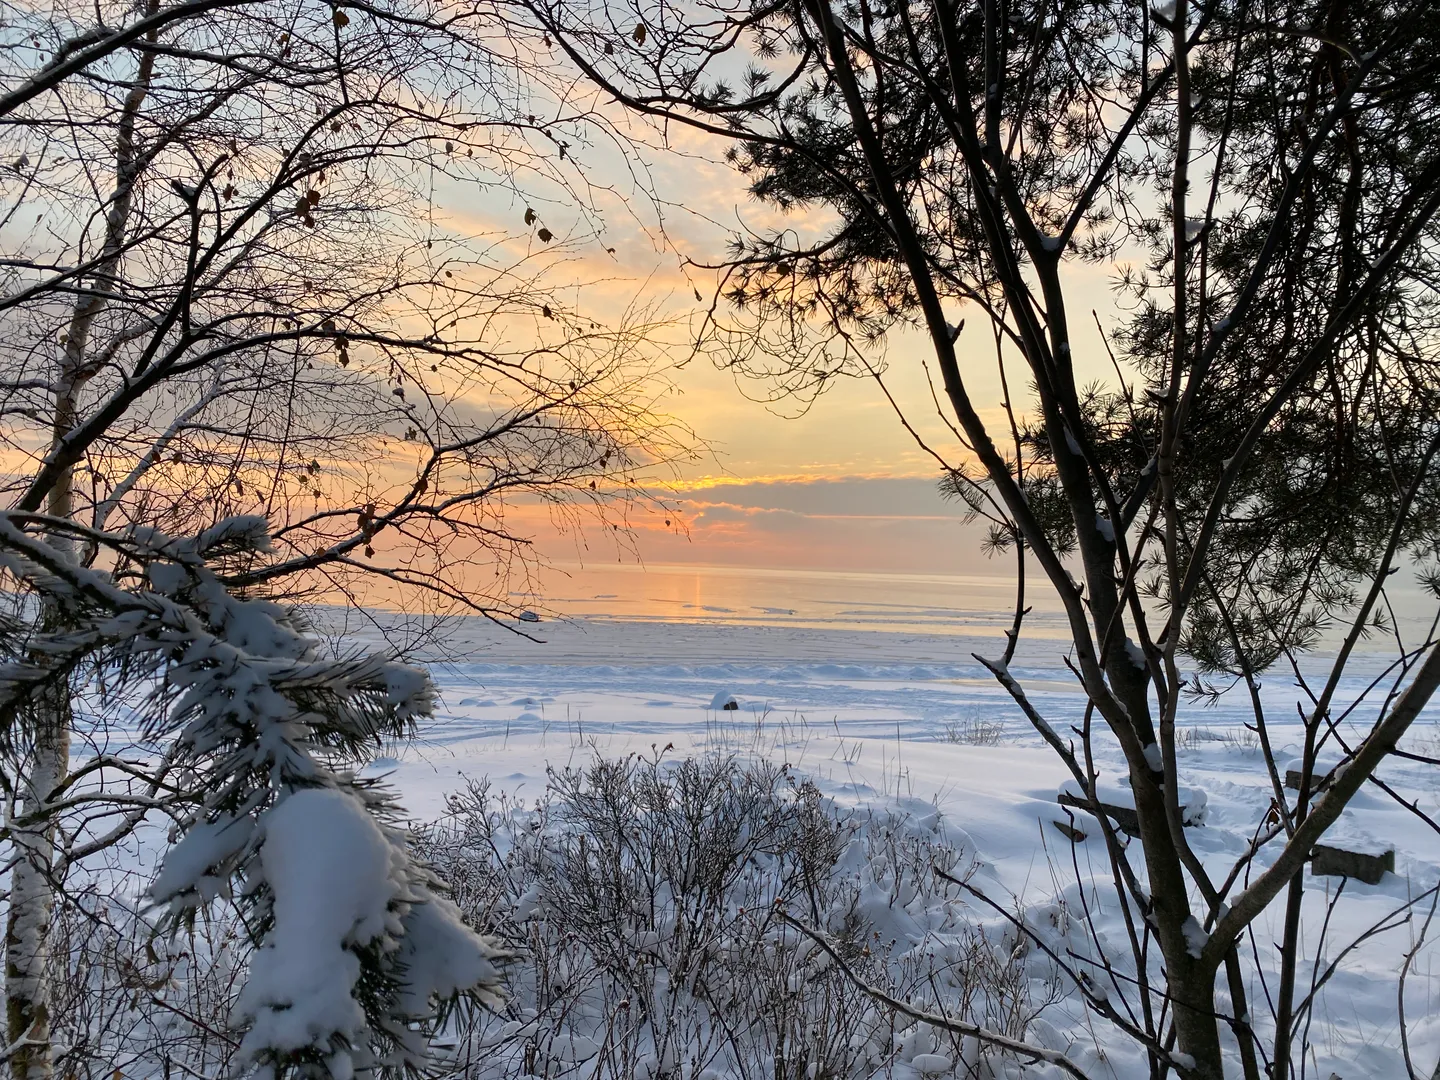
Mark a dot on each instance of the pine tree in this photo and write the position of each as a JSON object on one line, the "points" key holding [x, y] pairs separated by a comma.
{"points": [[357, 952], [1262, 184]]}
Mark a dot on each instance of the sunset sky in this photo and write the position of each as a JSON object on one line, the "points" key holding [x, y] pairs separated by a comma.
{"points": [[839, 486]]}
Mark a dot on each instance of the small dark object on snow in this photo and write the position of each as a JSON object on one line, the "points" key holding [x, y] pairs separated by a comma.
{"points": [[731, 706], [1337, 862], [1069, 830]]}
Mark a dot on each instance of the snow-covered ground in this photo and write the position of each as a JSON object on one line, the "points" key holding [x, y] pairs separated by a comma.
{"points": [[912, 722]]}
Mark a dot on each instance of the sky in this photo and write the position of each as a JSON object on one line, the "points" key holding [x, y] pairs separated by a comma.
{"points": [[839, 485]]}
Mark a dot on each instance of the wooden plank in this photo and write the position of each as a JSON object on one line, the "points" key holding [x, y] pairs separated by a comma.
{"points": [[1317, 781], [1326, 861], [1069, 831], [1124, 816]]}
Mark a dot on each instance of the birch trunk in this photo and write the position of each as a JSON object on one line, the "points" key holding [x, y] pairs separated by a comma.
{"points": [[33, 885], [38, 871]]}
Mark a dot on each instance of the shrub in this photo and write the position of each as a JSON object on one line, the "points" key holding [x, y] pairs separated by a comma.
{"points": [[646, 896]]}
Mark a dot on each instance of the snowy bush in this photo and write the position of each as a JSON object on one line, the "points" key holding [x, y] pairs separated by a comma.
{"points": [[355, 949], [144, 1004], [649, 896], [974, 731]]}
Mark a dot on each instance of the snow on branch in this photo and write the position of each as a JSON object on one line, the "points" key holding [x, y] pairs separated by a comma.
{"points": [[356, 947]]}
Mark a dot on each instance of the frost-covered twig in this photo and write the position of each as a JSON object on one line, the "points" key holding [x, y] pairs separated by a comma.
{"points": [[1094, 994], [946, 1023]]}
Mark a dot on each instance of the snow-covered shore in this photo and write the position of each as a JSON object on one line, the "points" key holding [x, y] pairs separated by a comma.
{"points": [[913, 723]]}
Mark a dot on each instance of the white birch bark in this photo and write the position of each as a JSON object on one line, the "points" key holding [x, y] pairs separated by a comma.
{"points": [[33, 882]]}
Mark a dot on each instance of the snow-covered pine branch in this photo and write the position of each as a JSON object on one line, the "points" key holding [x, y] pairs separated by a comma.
{"points": [[356, 947]]}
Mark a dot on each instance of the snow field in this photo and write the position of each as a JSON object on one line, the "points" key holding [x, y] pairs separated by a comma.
{"points": [[866, 720]]}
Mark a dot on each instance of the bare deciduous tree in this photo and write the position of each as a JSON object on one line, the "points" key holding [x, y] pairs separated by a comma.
{"points": [[228, 288]]}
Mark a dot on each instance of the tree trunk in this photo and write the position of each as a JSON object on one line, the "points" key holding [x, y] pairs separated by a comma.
{"points": [[35, 879], [32, 893], [1189, 981]]}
